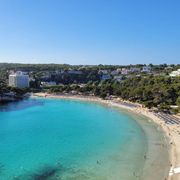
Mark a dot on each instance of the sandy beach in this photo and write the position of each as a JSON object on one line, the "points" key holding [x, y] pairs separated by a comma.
{"points": [[172, 131]]}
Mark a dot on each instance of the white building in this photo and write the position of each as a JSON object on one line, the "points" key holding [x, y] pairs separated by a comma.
{"points": [[125, 71], [75, 72], [146, 69], [105, 77], [114, 73], [51, 83], [103, 71], [19, 79], [118, 78], [175, 73], [135, 69]]}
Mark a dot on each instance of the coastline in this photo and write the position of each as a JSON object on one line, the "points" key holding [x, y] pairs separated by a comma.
{"points": [[172, 132]]}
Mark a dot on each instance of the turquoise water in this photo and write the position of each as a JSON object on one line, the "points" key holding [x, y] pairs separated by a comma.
{"points": [[66, 139]]}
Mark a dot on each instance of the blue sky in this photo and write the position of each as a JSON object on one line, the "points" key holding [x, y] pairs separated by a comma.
{"points": [[90, 31]]}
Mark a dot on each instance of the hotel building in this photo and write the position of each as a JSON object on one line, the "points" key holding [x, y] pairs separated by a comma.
{"points": [[19, 80]]}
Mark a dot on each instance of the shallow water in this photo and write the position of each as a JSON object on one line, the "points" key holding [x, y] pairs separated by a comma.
{"points": [[65, 139]]}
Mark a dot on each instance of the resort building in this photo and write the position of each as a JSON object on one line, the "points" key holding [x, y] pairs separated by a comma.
{"points": [[103, 71], [50, 83], [134, 69], [125, 71], [118, 78], [175, 73], [105, 77], [19, 79], [114, 73], [146, 69], [75, 72]]}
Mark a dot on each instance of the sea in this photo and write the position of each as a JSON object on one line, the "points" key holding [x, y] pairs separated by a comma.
{"points": [[55, 139]]}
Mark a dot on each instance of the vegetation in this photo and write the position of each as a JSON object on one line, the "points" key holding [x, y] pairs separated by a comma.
{"points": [[160, 92], [154, 89]]}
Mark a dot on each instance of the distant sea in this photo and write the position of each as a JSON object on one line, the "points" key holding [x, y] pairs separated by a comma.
{"points": [[73, 140]]}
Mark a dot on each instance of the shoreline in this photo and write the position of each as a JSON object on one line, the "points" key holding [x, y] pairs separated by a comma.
{"points": [[172, 131]]}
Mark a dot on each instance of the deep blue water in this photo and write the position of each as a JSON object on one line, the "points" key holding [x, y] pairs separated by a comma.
{"points": [[68, 139]]}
